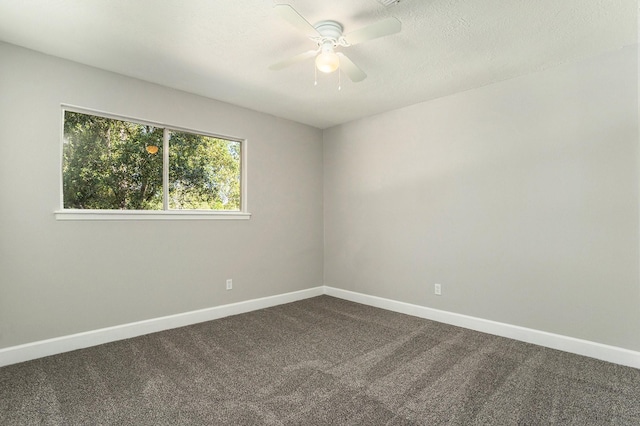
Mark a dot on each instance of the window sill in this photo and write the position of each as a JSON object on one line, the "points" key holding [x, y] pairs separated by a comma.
{"points": [[73, 214]]}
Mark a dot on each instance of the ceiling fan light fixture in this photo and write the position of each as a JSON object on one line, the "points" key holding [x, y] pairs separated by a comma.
{"points": [[327, 61]]}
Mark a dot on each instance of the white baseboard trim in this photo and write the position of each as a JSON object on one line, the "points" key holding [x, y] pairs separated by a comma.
{"points": [[542, 338], [29, 351]]}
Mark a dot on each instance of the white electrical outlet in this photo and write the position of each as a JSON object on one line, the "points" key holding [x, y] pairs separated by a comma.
{"points": [[437, 289], [229, 284]]}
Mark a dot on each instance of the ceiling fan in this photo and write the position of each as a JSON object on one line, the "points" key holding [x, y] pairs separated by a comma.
{"points": [[328, 36]]}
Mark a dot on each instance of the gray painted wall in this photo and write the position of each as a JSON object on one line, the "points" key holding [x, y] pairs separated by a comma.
{"points": [[59, 278], [520, 198]]}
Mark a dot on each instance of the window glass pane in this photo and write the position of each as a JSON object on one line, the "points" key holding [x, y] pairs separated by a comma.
{"points": [[111, 164], [204, 172]]}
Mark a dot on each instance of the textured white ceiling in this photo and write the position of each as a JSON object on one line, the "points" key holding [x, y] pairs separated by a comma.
{"points": [[222, 48]]}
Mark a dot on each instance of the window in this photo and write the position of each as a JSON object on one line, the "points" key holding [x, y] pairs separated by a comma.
{"points": [[120, 168]]}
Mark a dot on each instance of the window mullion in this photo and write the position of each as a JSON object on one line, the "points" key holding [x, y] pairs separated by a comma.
{"points": [[165, 169]]}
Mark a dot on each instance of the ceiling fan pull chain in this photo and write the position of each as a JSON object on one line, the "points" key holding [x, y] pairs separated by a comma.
{"points": [[339, 79], [315, 75]]}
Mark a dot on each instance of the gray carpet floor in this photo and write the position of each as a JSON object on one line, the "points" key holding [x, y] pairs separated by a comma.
{"points": [[321, 361]]}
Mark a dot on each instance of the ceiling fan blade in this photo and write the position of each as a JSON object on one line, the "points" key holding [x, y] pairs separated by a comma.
{"points": [[354, 73], [379, 29], [301, 57], [290, 15]]}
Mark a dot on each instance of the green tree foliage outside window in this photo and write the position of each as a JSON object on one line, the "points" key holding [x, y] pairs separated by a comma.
{"points": [[204, 172], [113, 164]]}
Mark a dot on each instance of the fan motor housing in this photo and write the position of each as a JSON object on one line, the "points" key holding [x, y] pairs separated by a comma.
{"points": [[329, 29]]}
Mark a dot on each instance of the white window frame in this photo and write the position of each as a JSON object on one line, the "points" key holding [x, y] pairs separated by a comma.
{"points": [[166, 213]]}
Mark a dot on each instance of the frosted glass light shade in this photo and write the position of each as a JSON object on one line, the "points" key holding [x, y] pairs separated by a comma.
{"points": [[327, 61]]}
